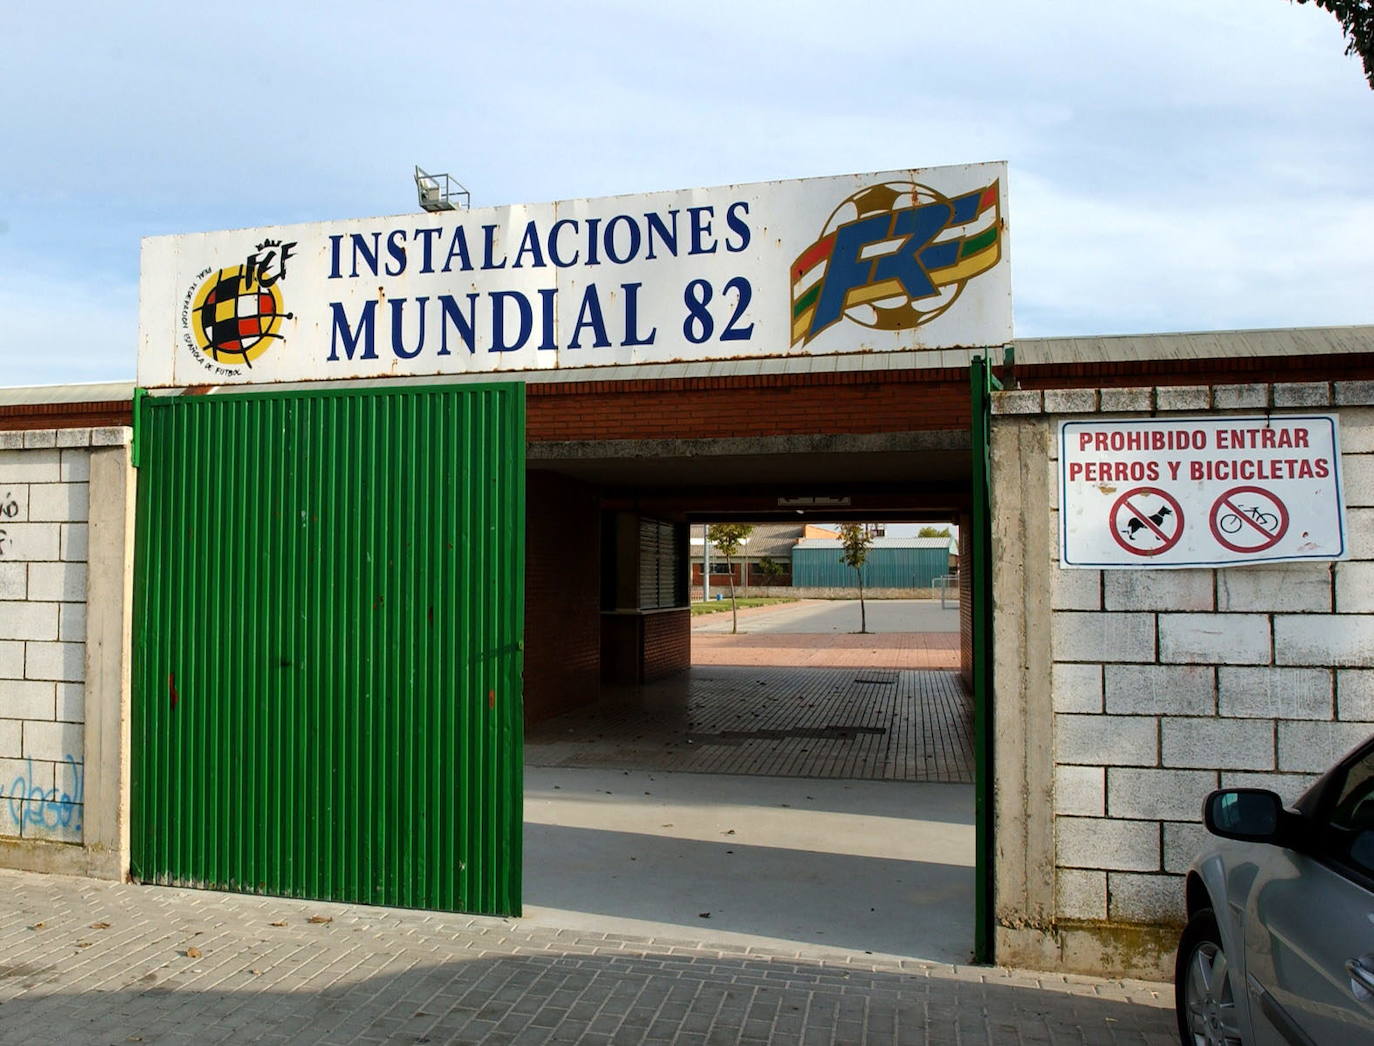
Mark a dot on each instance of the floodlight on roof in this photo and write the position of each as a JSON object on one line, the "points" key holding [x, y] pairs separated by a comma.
{"points": [[439, 192]]}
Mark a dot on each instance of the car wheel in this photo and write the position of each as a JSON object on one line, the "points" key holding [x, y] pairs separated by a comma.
{"points": [[1204, 994]]}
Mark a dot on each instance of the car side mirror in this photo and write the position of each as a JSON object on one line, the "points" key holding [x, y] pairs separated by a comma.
{"points": [[1252, 815]]}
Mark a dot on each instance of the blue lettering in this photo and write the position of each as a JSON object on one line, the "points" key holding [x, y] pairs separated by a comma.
{"points": [[701, 230], [847, 269], [737, 225], [589, 315], [453, 314], [592, 224], [498, 320], [369, 254], [489, 247], [335, 244], [365, 332], [398, 345], [667, 235], [529, 243], [396, 247], [546, 298], [458, 248], [554, 232], [632, 316], [633, 227], [427, 237]]}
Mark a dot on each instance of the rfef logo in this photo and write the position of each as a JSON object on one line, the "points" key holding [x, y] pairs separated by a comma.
{"points": [[894, 256], [232, 316]]}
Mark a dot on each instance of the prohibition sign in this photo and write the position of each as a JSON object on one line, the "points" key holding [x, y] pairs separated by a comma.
{"points": [[1146, 521], [1251, 522]]}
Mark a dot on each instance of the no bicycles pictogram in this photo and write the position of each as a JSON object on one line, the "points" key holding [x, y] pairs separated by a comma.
{"points": [[1248, 519], [1146, 521]]}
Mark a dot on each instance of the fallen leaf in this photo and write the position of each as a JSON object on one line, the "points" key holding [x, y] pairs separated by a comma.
{"points": [[100, 926], [38, 926], [193, 952], [317, 919], [730, 832], [83, 944], [255, 971], [703, 915], [281, 922]]}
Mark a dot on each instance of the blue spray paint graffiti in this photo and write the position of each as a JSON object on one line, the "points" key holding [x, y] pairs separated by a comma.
{"points": [[51, 809]]}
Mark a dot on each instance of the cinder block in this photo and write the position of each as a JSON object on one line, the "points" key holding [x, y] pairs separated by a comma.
{"points": [[1080, 790], [1357, 477], [28, 621], [31, 542], [1101, 842], [58, 502], [1359, 524], [1152, 899], [1313, 747], [1088, 636], [1275, 693], [74, 542], [57, 582], [11, 739], [1165, 795], [1284, 588], [1097, 740], [1126, 400], [1076, 589], [29, 466], [24, 699], [1288, 786], [1183, 397], [1240, 397], [1223, 744], [54, 821], [1023, 401], [1077, 688], [14, 580], [1070, 401], [1302, 394], [1183, 841], [1080, 894], [71, 623], [54, 741], [71, 702], [76, 466], [1355, 587], [1209, 639], [112, 437], [1357, 431], [21, 776], [73, 437], [11, 439], [14, 504], [1160, 690], [1159, 589], [65, 662], [1345, 640], [11, 661], [1355, 695], [37, 439]]}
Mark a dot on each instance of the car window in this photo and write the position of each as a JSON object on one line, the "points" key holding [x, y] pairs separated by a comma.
{"points": [[1352, 815]]}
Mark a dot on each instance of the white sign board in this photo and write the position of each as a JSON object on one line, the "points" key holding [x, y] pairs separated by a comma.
{"points": [[1200, 492], [900, 260]]}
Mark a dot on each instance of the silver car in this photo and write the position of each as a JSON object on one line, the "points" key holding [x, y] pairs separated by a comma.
{"points": [[1279, 946]]}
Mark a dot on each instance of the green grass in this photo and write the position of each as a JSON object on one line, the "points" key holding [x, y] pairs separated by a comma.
{"points": [[717, 606]]}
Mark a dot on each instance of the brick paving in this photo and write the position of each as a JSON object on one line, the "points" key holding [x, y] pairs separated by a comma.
{"points": [[859, 724], [92, 962]]}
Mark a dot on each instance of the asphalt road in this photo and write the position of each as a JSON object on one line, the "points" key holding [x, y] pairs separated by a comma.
{"points": [[826, 616]]}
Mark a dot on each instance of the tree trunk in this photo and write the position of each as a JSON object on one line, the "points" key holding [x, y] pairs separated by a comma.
{"points": [[734, 613], [863, 616]]}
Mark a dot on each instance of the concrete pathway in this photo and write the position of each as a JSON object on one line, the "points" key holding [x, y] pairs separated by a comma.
{"points": [[86, 962], [829, 616]]}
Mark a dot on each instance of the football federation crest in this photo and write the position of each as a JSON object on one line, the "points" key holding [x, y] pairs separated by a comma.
{"points": [[894, 256], [234, 315]]}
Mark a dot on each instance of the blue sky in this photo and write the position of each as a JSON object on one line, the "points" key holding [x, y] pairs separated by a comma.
{"points": [[1175, 165]]}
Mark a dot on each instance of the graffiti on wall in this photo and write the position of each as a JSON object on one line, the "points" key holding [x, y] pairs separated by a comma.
{"points": [[23, 802]]}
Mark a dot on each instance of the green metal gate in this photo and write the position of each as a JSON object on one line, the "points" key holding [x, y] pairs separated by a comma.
{"points": [[328, 631]]}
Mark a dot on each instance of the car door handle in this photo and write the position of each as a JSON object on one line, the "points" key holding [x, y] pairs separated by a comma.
{"points": [[1360, 974]]}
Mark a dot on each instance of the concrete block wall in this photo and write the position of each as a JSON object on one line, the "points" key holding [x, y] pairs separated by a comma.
{"points": [[1162, 685], [61, 641]]}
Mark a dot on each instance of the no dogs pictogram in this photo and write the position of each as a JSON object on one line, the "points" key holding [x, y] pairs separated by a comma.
{"points": [[1146, 521], [1248, 519]]}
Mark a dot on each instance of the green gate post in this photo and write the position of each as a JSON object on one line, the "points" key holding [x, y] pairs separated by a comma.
{"points": [[982, 382]]}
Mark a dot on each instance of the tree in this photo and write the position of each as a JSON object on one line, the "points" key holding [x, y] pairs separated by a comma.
{"points": [[933, 532], [855, 539], [728, 538], [1357, 21]]}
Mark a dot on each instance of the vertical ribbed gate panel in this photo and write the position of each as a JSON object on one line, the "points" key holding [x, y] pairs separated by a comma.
{"points": [[329, 622]]}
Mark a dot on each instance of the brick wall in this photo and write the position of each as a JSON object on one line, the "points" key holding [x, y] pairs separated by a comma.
{"points": [[667, 643], [44, 476], [1165, 684], [562, 595]]}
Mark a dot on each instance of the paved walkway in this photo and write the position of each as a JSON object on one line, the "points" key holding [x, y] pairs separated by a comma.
{"points": [[85, 962], [859, 724]]}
